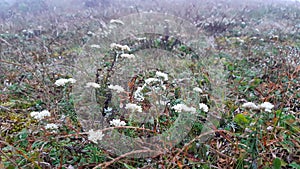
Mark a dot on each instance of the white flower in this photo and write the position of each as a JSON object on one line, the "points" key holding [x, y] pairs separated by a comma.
{"points": [[40, 115], [51, 126], [94, 136], [267, 106], [203, 107], [250, 105], [269, 128], [138, 95], [149, 80], [117, 88], [161, 74], [120, 47], [117, 123], [92, 84], [114, 21], [95, 46], [126, 55], [133, 107], [197, 89], [62, 82], [183, 107]]}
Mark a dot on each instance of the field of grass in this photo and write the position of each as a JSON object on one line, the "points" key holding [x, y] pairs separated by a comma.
{"points": [[149, 84]]}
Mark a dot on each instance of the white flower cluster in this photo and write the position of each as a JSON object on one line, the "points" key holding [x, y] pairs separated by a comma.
{"points": [[197, 89], [117, 123], [126, 55], [267, 106], [94, 136], [183, 107], [117, 88], [92, 84], [133, 107], [203, 107], [120, 47], [62, 82], [51, 126], [40, 115], [149, 80], [161, 74], [138, 95]]}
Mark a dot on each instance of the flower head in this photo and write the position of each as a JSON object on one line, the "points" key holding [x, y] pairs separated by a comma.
{"points": [[161, 74], [183, 107], [133, 107], [197, 89], [62, 81], [126, 55], [117, 123], [267, 106], [120, 47], [203, 107], [51, 126], [92, 84], [250, 105], [117, 88], [40, 115], [94, 136], [149, 80]]}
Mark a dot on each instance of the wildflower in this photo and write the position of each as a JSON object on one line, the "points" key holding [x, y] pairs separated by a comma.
{"points": [[197, 89], [126, 55], [92, 84], [269, 128], [133, 107], [203, 107], [161, 74], [149, 80], [62, 82], [51, 126], [40, 115], [267, 106], [117, 88], [120, 47], [250, 105], [94, 136], [138, 94], [117, 123], [114, 21], [183, 107], [95, 46]]}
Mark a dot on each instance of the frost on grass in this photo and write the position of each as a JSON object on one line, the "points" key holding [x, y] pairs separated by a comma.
{"points": [[62, 82], [95, 136], [40, 115], [117, 123]]}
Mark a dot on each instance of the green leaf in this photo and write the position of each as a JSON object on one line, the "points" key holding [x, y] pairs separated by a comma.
{"points": [[277, 163]]}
